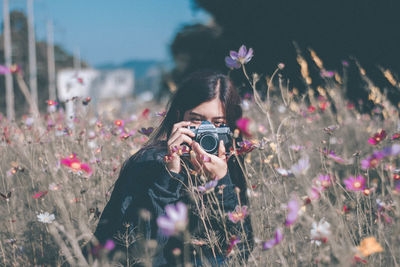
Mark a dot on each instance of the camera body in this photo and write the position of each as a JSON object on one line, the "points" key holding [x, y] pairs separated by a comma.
{"points": [[209, 136]]}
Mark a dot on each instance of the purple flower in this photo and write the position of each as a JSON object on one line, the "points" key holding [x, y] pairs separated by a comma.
{"points": [[273, 242], [208, 187], [175, 220], [355, 184], [245, 147], [231, 63], [236, 59], [4, 70], [109, 245], [294, 208]]}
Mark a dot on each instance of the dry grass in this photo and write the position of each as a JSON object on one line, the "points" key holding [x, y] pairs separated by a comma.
{"points": [[285, 130]]}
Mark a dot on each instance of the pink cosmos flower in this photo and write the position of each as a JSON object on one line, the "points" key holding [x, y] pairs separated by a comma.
{"points": [[370, 162], [243, 125], [315, 193], [119, 123], [4, 70], [40, 195], [397, 188], [109, 245], [238, 214], [294, 208], [396, 136], [237, 59], [324, 181], [335, 157], [75, 164], [232, 242], [273, 242], [355, 184], [377, 138], [175, 220]]}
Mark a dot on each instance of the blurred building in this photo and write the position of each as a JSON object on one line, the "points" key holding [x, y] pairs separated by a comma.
{"points": [[102, 86]]}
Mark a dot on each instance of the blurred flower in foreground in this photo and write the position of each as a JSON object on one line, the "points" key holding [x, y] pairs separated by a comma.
{"points": [[175, 220], [4, 69], [238, 214], [294, 208], [335, 157], [369, 246], [301, 167], [237, 59], [76, 165], [119, 123], [320, 232], [243, 125], [377, 138], [355, 184], [273, 242], [45, 217], [109, 245]]}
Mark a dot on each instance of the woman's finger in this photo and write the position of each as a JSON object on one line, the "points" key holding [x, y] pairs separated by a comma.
{"points": [[194, 161], [202, 156], [179, 125], [221, 150], [179, 140], [179, 132]]}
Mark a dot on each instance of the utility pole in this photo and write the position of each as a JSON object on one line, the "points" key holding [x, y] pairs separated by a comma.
{"points": [[77, 59], [7, 55], [32, 53], [51, 66]]}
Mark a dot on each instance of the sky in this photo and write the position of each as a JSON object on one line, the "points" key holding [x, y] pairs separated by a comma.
{"points": [[113, 31]]}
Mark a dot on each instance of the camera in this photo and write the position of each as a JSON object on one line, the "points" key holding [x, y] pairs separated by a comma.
{"points": [[209, 136]]}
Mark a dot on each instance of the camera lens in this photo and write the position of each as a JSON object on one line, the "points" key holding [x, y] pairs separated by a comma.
{"points": [[208, 143]]}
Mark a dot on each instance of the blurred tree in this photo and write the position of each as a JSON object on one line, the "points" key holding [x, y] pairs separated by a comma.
{"points": [[337, 30], [19, 38]]}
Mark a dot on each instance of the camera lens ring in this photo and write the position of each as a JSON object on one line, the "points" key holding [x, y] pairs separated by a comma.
{"points": [[208, 142]]}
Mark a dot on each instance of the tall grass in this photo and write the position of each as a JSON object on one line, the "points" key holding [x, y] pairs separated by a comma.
{"points": [[293, 141]]}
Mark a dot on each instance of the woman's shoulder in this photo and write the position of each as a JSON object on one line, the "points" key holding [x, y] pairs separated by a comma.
{"points": [[153, 153]]}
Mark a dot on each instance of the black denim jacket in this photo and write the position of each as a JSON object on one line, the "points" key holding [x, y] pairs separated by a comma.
{"points": [[145, 183]]}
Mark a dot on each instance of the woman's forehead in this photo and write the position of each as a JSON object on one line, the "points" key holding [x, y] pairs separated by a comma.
{"points": [[210, 109]]}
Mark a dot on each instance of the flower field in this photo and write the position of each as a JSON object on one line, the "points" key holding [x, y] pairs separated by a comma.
{"points": [[323, 179]]}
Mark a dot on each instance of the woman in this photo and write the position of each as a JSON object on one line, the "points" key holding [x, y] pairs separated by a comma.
{"points": [[158, 175]]}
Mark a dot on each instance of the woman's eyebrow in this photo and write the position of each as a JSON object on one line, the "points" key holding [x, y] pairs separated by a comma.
{"points": [[202, 116]]}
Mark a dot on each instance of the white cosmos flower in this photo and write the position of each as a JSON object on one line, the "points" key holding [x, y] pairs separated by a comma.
{"points": [[320, 231], [46, 217]]}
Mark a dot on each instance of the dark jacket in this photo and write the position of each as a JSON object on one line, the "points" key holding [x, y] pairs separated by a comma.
{"points": [[145, 183]]}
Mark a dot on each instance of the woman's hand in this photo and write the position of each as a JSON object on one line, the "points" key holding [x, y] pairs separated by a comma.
{"points": [[214, 166], [179, 135]]}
